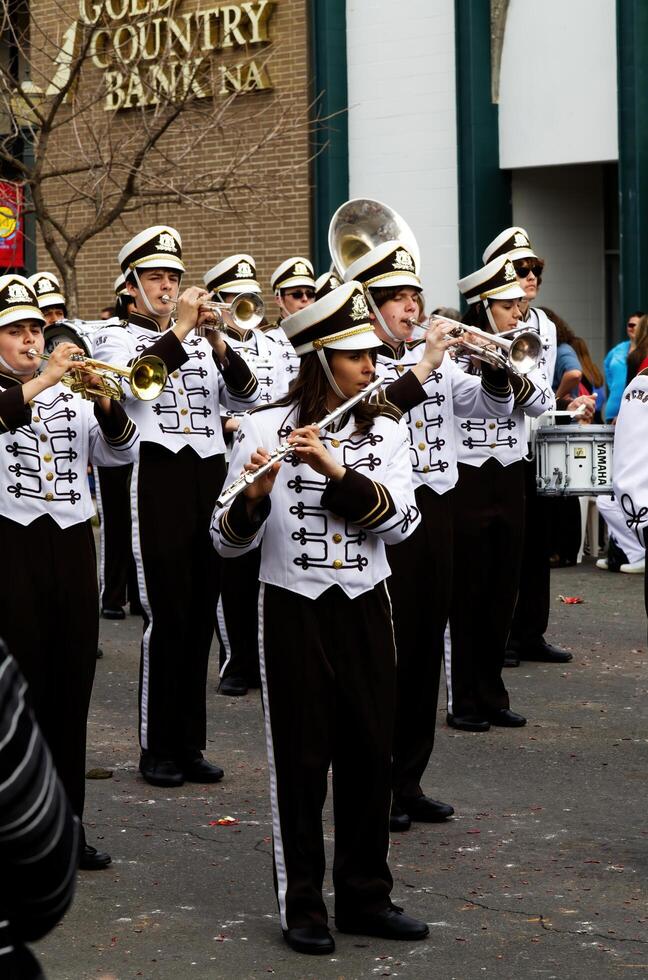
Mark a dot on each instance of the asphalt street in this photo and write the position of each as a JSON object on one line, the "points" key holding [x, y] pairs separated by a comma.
{"points": [[541, 874]]}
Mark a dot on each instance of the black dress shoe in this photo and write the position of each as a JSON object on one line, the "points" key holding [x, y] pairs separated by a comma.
{"points": [[313, 940], [544, 652], [390, 923], [160, 772], [99, 653], [426, 810], [399, 820], [113, 613], [200, 771], [511, 659], [506, 718], [93, 860], [233, 687], [468, 723]]}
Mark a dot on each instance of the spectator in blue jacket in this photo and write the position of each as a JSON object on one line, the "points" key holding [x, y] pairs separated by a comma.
{"points": [[616, 367]]}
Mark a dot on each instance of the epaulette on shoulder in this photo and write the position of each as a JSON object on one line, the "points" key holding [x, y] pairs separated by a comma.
{"points": [[413, 344], [386, 408]]}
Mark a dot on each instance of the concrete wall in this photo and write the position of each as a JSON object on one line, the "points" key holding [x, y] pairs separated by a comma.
{"points": [[558, 83], [402, 125], [562, 209]]}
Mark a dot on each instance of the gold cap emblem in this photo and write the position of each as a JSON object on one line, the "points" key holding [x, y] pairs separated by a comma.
{"points": [[359, 308], [166, 243], [403, 260]]}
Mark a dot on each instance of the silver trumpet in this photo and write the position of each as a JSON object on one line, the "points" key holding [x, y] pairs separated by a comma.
{"points": [[246, 479], [519, 354], [246, 311]]}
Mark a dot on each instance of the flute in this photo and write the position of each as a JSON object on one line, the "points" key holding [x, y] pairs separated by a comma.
{"points": [[238, 485]]}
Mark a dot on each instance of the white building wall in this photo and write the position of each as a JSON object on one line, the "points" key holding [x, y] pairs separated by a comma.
{"points": [[402, 125], [562, 210], [558, 83]]}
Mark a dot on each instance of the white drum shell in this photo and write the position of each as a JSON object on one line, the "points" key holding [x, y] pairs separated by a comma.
{"points": [[574, 460]]}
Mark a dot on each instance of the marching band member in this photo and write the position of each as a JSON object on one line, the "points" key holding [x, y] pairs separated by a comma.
{"points": [[489, 519], [51, 300], [531, 618], [49, 616], [422, 566], [237, 605], [174, 488], [325, 632]]}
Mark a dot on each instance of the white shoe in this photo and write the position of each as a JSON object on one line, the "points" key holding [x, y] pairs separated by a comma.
{"points": [[637, 569], [602, 563]]}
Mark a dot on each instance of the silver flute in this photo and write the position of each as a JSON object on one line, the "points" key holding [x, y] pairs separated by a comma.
{"points": [[246, 479]]}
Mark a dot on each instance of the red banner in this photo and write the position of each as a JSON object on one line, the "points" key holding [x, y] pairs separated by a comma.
{"points": [[11, 225]]}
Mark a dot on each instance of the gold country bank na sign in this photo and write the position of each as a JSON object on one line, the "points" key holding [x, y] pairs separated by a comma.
{"points": [[150, 51]]}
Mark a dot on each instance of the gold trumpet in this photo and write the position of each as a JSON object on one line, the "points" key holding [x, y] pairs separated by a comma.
{"points": [[146, 378]]}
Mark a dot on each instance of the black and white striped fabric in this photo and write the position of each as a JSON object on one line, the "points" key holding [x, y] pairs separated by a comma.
{"points": [[39, 837]]}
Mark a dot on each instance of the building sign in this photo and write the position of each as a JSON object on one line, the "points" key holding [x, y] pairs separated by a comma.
{"points": [[11, 230], [151, 51]]}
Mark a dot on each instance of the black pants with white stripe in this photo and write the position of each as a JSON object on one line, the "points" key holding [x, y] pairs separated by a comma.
{"points": [[420, 592], [237, 620], [174, 496], [117, 572], [49, 618], [488, 534], [328, 677]]}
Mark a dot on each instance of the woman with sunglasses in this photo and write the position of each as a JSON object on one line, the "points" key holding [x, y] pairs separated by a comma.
{"points": [[323, 517], [527, 640], [293, 285]]}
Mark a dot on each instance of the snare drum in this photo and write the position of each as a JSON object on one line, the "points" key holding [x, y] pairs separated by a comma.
{"points": [[574, 460]]}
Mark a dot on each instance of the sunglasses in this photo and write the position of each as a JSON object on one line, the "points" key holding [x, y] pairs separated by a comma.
{"points": [[301, 293], [523, 269]]}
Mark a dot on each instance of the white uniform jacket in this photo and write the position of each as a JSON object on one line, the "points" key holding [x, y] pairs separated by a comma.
{"points": [[539, 322], [630, 480], [264, 357], [317, 533], [447, 392], [45, 448], [504, 437], [285, 355], [187, 411]]}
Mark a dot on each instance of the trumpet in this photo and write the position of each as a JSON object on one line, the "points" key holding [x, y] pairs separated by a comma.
{"points": [[246, 311], [519, 354], [245, 480], [146, 378]]}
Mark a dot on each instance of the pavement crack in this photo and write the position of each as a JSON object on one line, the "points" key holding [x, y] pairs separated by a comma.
{"points": [[542, 920]]}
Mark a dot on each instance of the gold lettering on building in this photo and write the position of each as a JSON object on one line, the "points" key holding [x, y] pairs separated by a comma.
{"points": [[148, 50]]}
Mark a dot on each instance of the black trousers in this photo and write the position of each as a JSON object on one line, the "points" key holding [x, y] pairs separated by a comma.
{"points": [[174, 496], [420, 587], [49, 617], [328, 677], [117, 571], [237, 618], [489, 533], [531, 616]]}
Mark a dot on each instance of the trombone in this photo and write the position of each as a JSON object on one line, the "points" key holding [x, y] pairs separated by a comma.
{"points": [[519, 354], [246, 311], [146, 378]]}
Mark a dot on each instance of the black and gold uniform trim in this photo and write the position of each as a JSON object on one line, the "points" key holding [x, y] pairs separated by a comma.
{"points": [[522, 388], [496, 382], [359, 500], [116, 427], [236, 527]]}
